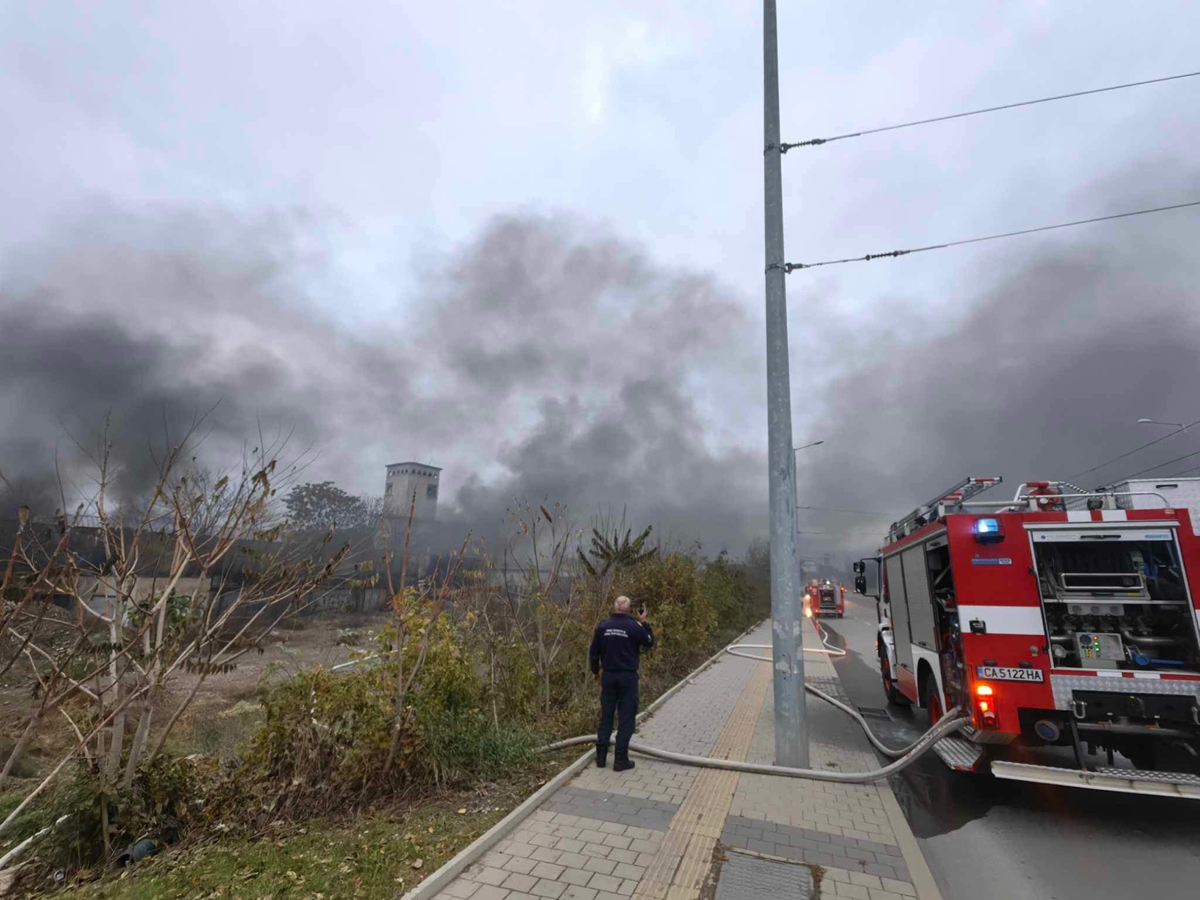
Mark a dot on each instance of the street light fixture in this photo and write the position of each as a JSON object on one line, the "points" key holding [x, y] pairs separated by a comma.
{"points": [[1156, 422], [806, 446]]}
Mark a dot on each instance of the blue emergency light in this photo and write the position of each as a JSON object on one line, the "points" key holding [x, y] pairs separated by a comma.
{"points": [[988, 531]]}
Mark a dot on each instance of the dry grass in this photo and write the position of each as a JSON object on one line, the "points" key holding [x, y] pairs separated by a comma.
{"points": [[372, 855], [223, 713]]}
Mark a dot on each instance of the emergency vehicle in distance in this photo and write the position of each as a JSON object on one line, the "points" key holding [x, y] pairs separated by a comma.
{"points": [[828, 597], [1063, 621]]}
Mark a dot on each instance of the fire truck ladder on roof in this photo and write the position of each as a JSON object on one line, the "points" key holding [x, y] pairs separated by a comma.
{"points": [[964, 490]]}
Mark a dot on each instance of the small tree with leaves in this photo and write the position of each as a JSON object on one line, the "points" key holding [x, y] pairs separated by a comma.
{"points": [[320, 506]]}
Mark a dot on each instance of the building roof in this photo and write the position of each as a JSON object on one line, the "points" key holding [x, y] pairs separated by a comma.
{"points": [[412, 462]]}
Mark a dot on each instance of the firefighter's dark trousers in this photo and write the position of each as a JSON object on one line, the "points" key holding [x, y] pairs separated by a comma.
{"points": [[618, 694]]}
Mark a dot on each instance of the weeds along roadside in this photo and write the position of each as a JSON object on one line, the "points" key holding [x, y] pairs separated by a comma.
{"points": [[478, 663]]}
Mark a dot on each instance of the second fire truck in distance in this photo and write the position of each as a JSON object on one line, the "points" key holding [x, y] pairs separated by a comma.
{"points": [[1064, 622], [824, 598]]}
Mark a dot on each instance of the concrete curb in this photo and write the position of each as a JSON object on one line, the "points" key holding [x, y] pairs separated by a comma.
{"points": [[450, 870], [918, 868]]}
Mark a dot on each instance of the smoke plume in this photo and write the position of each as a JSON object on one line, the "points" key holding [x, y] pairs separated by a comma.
{"points": [[547, 359], [1041, 373]]}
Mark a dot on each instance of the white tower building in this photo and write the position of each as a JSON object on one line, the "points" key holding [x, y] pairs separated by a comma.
{"points": [[403, 480]]}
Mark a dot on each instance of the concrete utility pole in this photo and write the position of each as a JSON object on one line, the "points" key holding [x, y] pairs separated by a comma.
{"points": [[791, 731]]}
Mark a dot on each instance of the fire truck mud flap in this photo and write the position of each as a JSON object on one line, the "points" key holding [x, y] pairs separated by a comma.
{"points": [[959, 755], [1126, 781]]}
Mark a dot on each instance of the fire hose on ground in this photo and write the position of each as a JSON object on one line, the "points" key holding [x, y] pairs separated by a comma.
{"points": [[954, 720]]}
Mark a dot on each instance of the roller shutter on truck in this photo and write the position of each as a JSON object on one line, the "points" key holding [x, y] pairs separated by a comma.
{"points": [[899, 604], [920, 605]]}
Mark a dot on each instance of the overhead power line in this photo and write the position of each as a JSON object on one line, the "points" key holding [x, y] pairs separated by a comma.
{"points": [[791, 267], [844, 532], [816, 142], [854, 512], [1184, 472], [1159, 466], [1136, 449]]}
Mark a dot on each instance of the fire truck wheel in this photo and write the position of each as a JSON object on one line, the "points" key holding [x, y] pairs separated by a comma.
{"points": [[932, 702], [889, 687], [840, 614]]}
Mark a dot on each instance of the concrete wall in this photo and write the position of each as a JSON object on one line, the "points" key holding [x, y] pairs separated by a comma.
{"points": [[361, 600]]}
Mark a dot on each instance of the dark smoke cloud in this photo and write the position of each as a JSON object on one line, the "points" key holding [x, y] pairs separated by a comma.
{"points": [[548, 360], [545, 360], [153, 321], [1041, 375]]}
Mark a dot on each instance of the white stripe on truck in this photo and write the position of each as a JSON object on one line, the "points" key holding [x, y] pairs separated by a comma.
{"points": [[1003, 619]]}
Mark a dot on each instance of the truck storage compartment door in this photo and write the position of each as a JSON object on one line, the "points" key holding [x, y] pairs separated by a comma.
{"points": [[920, 605], [899, 604], [1115, 595]]}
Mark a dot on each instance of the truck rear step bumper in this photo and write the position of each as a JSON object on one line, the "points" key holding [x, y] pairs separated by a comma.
{"points": [[959, 755], [1126, 781]]}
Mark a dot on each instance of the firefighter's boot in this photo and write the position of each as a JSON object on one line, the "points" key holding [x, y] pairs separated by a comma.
{"points": [[601, 755], [622, 763]]}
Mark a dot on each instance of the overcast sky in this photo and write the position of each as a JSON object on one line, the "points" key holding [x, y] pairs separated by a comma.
{"points": [[523, 241]]}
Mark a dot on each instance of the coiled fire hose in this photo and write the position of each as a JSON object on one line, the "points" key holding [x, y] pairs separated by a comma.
{"points": [[954, 720]]}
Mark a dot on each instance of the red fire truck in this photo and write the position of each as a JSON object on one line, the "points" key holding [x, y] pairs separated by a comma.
{"points": [[1062, 620], [824, 598]]}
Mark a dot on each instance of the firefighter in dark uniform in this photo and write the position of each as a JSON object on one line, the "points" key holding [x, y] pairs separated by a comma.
{"points": [[617, 643]]}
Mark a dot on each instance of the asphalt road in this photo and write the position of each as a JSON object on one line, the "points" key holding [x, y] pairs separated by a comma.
{"points": [[987, 839]]}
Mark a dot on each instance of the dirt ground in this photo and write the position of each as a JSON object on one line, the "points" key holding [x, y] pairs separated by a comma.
{"points": [[226, 708]]}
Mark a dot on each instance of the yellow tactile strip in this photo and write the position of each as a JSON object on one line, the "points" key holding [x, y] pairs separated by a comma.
{"points": [[679, 868]]}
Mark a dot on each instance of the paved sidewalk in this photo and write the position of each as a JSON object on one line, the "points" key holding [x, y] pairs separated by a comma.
{"points": [[667, 832]]}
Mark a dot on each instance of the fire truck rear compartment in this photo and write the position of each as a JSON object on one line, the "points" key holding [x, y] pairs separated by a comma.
{"points": [[1116, 602], [1119, 604]]}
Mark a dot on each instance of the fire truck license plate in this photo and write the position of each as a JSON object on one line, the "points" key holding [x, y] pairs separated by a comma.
{"points": [[1004, 673]]}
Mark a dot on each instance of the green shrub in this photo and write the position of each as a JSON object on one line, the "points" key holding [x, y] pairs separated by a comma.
{"points": [[739, 595], [460, 746], [326, 735], [683, 616], [157, 806]]}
